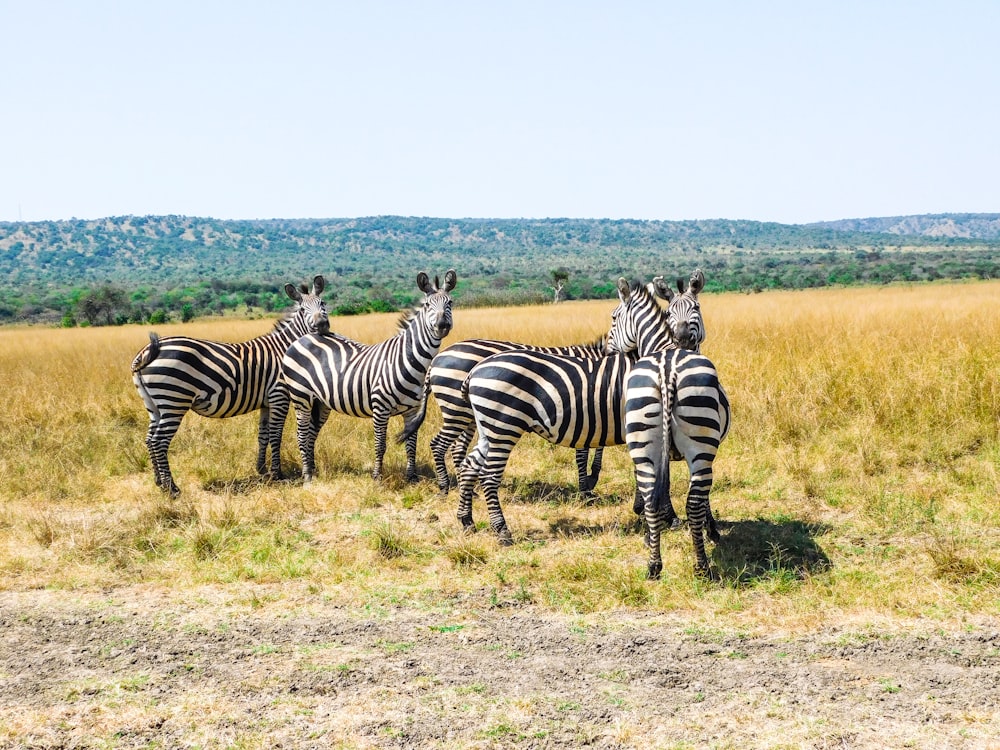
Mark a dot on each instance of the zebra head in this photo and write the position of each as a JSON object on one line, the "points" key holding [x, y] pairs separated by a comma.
{"points": [[684, 313], [435, 310], [639, 324], [309, 315]]}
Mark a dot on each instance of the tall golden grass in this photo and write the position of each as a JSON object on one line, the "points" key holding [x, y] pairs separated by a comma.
{"points": [[860, 478]]}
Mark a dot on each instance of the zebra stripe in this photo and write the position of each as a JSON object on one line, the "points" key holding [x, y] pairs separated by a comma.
{"points": [[445, 378], [178, 374], [573, 401], [321, 373], [674, 402], [569, 401]]}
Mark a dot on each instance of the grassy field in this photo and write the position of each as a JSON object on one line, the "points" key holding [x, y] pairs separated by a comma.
{"points": [[859, 483]]}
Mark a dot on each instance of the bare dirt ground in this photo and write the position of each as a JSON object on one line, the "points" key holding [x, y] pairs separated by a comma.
{"points": [[139, 668]]}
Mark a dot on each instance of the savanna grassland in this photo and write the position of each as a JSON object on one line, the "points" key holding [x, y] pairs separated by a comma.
{"points": [[858, 575]]}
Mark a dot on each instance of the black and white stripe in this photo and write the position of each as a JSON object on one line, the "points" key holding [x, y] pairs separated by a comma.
{"points": [[572, 401], [445, 378], [178, 374], [675, 408], [324, 373], [675, 405]]}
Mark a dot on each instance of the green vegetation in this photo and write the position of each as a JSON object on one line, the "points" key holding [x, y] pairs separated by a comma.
{"points": [[158, 268]]}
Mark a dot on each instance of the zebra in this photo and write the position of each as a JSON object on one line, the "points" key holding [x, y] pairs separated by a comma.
{"points": [[449, 371], [674, 403], [675, 408], [321, 373], [572, 401], [177, 374]]}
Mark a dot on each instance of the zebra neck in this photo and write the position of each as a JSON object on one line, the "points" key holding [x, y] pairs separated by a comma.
{"points": [[654, 338], [418, 337]]}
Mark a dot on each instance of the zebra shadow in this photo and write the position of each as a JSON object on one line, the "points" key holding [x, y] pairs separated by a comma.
{"points": [[537, 491], [237, 486], [759, 550]]}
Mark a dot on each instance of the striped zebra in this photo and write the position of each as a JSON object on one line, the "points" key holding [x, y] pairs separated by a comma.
{"points": [[675, 408], [323, 373], [572, 401], [178, 374], [675, 404], [445, 378]]}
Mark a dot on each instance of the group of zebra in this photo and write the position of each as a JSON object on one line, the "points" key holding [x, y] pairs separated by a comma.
{"points": [[644, 384]]}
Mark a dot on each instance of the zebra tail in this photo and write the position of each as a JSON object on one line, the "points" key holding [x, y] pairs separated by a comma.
{"points": [[142, 360], [668, 390], [148, 354], [412, 422]]}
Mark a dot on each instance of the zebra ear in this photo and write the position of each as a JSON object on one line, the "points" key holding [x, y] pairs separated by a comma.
{"points": [[662, 289], [424, 283], [319, 284], [293, 292], [697, 282], [450, 280], [624, 290]]}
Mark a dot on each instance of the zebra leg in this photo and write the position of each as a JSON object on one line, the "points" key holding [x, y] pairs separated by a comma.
{"points": [[263, 439], [696, 510], [309, 420], [489, 478], [279, 403], [411, 458], [439, 450], [381, 425], [700, 519], [440, 445], [468, 475], [582, 475], [460, 446], [159, 443], [595, 468], [151, 449]]}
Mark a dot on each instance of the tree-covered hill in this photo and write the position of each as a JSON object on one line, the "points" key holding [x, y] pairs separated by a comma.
{"points": [[968, 226], [143, 267]]}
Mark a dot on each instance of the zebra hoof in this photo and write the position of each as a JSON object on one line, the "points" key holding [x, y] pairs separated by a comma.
{"points": [[412, 478], [654, 570], [677, 523], [504, 538], [706, 572]]}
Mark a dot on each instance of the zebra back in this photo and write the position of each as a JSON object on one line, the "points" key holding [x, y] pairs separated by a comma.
{"points": [[450, 368]]}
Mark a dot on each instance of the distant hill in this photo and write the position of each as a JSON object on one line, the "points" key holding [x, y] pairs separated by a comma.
{"points": [[165, 265], [967, 226]]}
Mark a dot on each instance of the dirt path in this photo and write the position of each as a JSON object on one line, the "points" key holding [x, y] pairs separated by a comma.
{"points": [[145, 671]]}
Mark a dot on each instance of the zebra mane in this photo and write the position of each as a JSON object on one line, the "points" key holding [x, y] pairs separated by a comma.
{"points": [[286, 317], [406, 317]]}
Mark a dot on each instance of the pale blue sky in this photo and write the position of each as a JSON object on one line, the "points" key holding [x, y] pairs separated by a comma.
{"points": [[775, 111]]}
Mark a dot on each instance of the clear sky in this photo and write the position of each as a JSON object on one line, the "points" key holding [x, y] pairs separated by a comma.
{"points": [[776, 111]]}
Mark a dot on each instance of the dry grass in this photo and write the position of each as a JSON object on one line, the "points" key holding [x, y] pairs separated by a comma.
{"points": [[859, 481]]}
